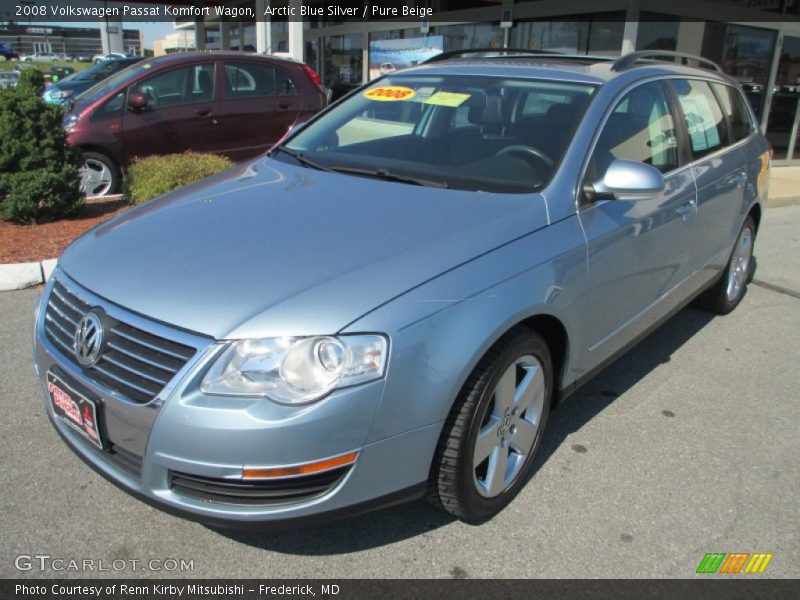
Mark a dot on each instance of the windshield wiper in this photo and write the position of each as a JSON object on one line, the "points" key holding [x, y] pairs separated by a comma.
{"points": [[299, 157], [387, 175]]}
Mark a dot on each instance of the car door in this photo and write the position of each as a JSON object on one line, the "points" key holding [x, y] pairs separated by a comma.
{"points": [[719, 170], [637, 249], [182, 112], [260, 102]]}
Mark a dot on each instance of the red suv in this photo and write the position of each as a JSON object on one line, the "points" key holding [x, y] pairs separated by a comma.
{"points": [[228, 103]]}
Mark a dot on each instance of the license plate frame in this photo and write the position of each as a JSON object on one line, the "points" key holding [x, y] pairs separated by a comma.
{"points": [[74, 409]]}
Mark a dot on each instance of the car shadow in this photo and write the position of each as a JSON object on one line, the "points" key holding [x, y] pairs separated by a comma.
{"points": [[391, 525]]}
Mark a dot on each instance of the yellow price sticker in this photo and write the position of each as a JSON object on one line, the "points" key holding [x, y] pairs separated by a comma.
{"points": [[452, 99]]}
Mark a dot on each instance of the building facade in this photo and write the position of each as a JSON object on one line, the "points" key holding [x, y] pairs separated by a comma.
{"points": [[69, 41]]}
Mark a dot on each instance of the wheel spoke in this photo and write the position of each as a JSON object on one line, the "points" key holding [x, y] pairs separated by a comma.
{"points": [[530, 393], [487, 441], [506, 391], [524, 436], [496, 473]]}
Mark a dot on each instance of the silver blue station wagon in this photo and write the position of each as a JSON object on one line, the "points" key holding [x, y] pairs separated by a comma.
{"points": [[389, 303]]}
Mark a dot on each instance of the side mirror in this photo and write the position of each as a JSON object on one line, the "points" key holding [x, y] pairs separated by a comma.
{"points": [[627, 180], [137, 102]]}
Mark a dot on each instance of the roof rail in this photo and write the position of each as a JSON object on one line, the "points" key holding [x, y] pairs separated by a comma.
{"points": [[630, 60], [510, 51]]}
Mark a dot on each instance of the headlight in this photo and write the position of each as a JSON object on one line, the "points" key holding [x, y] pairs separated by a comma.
{"points": [[296, 370]]}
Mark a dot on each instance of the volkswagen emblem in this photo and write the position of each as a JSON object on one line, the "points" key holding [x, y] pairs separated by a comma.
{"points": [[89, 339]]}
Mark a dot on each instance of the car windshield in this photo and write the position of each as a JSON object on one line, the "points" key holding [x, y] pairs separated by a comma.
{"points": [[119, 78], [93, 73], [480, 133]]}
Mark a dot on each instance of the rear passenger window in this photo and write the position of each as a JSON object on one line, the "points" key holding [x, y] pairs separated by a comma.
{"points": [[735, 108], [252, 79], [704, 120], [641, 129]]}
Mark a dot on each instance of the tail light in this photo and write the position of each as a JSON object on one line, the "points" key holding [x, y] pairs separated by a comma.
{"points": [[312, 74]]}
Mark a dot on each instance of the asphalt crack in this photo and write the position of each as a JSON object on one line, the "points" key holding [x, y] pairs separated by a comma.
{"points": [[776, 288]]}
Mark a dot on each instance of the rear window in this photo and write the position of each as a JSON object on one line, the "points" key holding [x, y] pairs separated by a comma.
{"points": [[735, 108], [704, 120], [254, 79]]}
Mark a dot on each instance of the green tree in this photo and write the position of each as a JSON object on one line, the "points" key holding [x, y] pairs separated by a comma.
{"points": [[39, 177]]}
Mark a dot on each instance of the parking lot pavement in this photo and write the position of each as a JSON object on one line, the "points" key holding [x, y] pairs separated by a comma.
{"points": [[688, 444]]}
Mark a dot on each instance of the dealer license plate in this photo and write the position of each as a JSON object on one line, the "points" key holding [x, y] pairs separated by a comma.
{"points": [[75, 409]]}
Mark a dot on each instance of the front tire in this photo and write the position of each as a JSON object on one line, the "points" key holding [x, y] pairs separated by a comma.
{"points": [[99, 175], [494, 430], [728, 292]]}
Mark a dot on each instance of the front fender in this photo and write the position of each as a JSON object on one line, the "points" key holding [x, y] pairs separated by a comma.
{"points": [[440, 331]]}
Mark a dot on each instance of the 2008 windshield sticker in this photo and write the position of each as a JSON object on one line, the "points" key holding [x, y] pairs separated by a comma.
{"points": [[390, 93]]}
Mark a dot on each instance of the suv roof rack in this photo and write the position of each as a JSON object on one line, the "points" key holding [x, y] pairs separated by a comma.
{"points": [[629, 60], [512, 52]]}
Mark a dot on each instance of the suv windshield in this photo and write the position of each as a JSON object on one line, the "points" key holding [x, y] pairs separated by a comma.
{"points": [[477, 133]]}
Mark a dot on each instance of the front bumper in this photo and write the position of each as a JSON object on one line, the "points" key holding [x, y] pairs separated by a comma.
{"points": [[182, 433]]}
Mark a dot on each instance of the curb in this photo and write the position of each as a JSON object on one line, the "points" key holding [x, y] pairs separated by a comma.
{"points": [[18, 276], [23, 275]]}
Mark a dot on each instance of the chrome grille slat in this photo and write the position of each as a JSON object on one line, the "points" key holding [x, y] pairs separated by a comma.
{"points": [[61, 296], [125, 382], [110, 358], [153, 347], [134, 362], [63, 329], [58, 340], [115, 345], [61, 313]]}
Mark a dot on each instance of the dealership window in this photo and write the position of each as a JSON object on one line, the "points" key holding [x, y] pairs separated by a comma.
{"points": [[744, 53], [342, 62], [462, 37], [586, 34], [657, 31]]}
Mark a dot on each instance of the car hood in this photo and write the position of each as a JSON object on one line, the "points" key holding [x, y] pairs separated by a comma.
{"points": [[272, 249], [71, 84]]}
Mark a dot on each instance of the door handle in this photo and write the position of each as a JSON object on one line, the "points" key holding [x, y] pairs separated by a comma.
{"points": [[284, 105], [685, 210], [203, 112], [737, 180]]}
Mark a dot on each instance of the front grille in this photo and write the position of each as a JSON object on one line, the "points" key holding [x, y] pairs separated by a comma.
{"points": [[266, 492], [133, 362]]}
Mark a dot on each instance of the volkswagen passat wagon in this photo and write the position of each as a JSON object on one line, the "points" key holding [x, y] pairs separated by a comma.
{"points": [[390, 302]]}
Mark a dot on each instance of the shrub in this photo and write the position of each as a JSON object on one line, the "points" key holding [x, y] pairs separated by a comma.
{"points": [[156, 175], [39, 176]]}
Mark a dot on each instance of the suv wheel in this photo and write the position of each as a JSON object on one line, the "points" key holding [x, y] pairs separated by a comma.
{"points": [[99, 175], [494, 429]]}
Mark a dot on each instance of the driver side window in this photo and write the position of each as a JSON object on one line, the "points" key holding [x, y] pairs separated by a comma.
{"points": [[641, 129], [183, 85]]}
